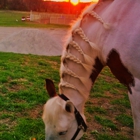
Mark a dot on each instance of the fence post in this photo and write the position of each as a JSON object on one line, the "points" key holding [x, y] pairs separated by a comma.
{"points": [[31, 16]]}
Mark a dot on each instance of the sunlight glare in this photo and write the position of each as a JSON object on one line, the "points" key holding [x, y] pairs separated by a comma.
{"points": [[74, 2], [89, 0]]}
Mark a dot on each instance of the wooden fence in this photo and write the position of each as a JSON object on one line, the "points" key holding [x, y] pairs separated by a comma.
{"points": [[52, 18]]}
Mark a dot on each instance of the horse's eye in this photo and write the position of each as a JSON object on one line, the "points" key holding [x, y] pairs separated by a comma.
{"points": [[62, 133]]}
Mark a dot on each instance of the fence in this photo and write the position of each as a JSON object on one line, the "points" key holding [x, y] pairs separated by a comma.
{"points": [[52, 18]]}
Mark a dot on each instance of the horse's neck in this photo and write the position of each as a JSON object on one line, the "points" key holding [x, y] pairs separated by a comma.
{"points": [[73, 87], [77, 63], [76, 67]]}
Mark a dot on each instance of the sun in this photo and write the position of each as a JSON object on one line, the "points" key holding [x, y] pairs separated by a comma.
{"points": [[74, 2]]}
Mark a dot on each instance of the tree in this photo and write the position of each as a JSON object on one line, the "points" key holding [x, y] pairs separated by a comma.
{"points": [[34, 5], [3, 4], [17, 5]]}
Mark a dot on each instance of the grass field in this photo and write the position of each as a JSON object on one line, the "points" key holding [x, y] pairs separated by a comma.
{"points": [[22, 95], [13, 19]]}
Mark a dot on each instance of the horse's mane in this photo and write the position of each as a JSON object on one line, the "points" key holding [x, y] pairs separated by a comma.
{"points": [[76, 23], [88, 62]]}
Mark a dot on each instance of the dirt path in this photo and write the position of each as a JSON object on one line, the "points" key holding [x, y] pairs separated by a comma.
{"points": [[32, 41]]}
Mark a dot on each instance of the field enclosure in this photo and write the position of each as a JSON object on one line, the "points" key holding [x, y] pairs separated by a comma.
{"points": [[52, 18]]}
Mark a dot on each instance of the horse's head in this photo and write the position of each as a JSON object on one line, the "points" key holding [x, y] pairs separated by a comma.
{"points": [[59, 117]]}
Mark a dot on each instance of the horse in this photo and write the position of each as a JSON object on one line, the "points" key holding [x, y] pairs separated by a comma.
{"points": [[106, 34]]}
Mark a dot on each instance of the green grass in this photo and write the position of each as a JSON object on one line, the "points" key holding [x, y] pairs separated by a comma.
{"points": [[92, 110], [109, 137], [105, 122], [108, 110], [13, 19], [22, 95], [125, 119]]}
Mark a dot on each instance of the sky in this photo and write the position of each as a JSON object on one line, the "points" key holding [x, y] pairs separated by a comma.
{"points": [[75, 0]]}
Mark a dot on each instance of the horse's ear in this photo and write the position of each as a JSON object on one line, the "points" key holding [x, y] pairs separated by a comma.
{"points": [[69, 107], [50, 88]]}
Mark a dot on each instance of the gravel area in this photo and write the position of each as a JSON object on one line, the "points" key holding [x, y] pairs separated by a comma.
{"points": [[48, 42]]}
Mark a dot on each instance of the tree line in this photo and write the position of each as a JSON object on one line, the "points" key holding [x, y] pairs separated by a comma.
{"points": [[42, 6], [21, 5]]}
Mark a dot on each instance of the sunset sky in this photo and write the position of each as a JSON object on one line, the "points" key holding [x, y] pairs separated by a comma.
{"points": [[74, 2]]}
